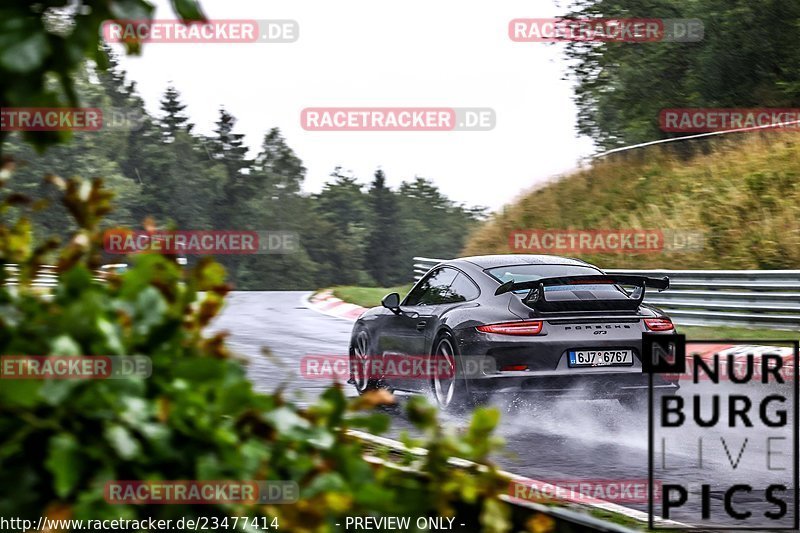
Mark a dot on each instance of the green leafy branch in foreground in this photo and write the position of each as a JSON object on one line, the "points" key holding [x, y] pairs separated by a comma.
{"points": [[197, 416], [43, 44]]}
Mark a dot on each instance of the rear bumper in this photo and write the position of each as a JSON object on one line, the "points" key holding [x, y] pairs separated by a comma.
{"points": [[579, 385], [546, 360]]}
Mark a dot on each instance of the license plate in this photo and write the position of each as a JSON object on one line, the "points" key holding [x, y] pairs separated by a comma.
{"points": [[601, 358]]}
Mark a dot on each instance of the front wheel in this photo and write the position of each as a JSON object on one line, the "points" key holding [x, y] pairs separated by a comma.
{"points": [[359, 364]]}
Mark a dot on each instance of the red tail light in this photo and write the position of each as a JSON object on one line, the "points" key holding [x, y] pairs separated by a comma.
{"points": [[658, 324], [525, 327]]}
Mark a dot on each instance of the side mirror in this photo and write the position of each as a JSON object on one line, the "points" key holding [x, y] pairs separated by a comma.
{"points": [[392, 301]]}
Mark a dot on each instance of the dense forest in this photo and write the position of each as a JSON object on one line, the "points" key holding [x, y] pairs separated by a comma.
{"points": [[357, 230], [749, 57]]}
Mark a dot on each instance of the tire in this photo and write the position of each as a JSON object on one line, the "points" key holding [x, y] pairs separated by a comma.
{"points": [[359, 370], [450, 390]]}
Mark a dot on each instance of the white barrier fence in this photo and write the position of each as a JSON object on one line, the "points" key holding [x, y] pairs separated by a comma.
{"points": [[47, 275]]}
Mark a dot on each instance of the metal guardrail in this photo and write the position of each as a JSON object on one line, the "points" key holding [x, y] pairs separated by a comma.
{"points": [[423, 264], [749, 298], [566, 516]]}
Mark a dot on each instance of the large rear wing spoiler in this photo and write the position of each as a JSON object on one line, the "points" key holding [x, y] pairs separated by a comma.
{"points": [[536, 292]]}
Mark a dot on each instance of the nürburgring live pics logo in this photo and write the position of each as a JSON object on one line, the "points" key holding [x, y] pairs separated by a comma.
{"points": [[725, 448]]}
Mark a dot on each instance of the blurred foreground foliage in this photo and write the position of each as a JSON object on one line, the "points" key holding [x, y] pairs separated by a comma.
{"points": [[43, 44], [197, 417]]}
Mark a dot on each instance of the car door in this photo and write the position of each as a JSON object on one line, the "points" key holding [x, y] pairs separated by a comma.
{"points": [[410, 333]]}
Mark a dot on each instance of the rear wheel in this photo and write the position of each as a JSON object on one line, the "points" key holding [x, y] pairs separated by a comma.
{"points": [[359, 364], [448, 388]]}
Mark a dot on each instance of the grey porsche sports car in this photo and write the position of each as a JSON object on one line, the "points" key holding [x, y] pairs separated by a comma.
{"points": [[519, 324]]}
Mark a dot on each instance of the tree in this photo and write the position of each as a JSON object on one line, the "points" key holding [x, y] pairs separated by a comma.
{"points": [[174, 120], [229, 147], [274, 203], [278, 158], [434, 226], [42, 49], [179, 184], [90, 153], [383, 249], [114, 79], [344, 210], [278, 175], [748, 57], [137, 138]]}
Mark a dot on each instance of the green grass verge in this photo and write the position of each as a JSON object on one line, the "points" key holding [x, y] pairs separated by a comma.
{"points": [[744, 196], [713, 333], [368, 296]]}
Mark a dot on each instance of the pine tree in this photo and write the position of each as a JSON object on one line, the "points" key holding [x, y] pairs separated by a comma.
{"points": [[114, 81], [229, 147], [174, 120], [383, 243], [342, 212], [434, 226], [232, 207], [277, 158]]}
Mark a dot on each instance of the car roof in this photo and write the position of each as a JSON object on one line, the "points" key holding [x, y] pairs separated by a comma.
{"points": [[492, 261]]}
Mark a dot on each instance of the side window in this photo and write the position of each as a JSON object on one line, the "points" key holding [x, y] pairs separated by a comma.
{"points": [[433, 289], [462, 289]]}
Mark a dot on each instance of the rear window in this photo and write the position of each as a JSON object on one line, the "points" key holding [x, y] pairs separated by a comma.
{"points": [[519, 273], [522, 273]]}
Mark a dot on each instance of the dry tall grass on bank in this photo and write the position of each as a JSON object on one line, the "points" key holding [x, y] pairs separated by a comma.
{"points": [[744, 194]]}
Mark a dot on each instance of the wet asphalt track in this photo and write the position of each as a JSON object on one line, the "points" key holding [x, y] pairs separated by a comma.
{"points": [[559, 441]]}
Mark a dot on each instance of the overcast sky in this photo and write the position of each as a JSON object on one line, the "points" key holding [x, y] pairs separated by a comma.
{"points": [[359, 53]]}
